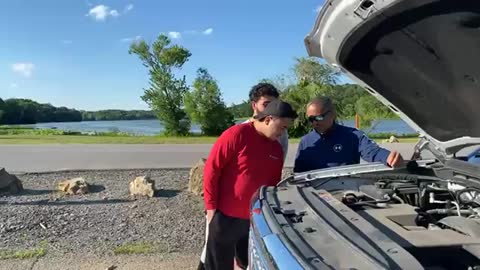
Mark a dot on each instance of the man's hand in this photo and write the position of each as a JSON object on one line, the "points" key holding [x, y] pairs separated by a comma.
{"points": [[394, 159], [210, 214]]}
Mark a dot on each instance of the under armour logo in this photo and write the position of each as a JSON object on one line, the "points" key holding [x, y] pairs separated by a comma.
{"points": [[337, 147]]}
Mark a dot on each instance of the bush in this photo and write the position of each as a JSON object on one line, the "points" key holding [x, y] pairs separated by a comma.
{"points": [[205, 106]]}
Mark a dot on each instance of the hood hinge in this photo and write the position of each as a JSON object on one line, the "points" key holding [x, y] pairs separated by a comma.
{"points": [[365, 8]]}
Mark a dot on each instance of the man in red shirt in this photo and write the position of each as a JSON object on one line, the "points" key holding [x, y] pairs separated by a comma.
{"points": [[244, 157]]}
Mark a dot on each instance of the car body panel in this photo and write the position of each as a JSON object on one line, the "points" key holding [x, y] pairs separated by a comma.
{"points": [[309, 218], [337, 23]]}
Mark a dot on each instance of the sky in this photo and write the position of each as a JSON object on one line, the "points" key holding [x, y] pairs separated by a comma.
{"points": [[75, 53]]}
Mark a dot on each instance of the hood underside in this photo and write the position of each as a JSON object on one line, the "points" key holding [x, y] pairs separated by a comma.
{"points": [[422, 56]]}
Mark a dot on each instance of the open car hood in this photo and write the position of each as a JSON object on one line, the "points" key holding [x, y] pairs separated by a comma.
{"points": [[419, 57]]}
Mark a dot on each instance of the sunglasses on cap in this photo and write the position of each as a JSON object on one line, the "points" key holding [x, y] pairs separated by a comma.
{"points": [[320, 117]]}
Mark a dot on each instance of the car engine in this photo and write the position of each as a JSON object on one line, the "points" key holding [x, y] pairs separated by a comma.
{"points": [[434, 201], [421, 219], [432, 218]]}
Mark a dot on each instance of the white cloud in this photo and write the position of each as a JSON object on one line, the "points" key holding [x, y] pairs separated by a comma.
{"points": [[128, 8], [25, 69], [13, 85], [209, 31], [114, 13], [101, 12], [191, 32], [175, 35], [66, 42], [128, 40]]}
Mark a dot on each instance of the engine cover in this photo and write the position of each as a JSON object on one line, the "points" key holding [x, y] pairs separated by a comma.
{"points": [[470, 227], [399, 219]]}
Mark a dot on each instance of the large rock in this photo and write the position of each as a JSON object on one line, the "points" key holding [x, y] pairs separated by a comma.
{"points": [[195, 183], [142, 186], [393, 139], [9, 183], [75, 186]]}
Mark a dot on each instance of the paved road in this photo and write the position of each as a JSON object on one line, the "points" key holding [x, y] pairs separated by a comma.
{"points": [[170, 261], [41, 158]]}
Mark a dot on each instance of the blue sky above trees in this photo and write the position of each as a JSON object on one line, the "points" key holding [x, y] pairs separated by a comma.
{"points": [[75, 53]]}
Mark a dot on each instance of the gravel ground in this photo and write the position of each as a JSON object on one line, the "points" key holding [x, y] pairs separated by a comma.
{"points": [[96, 223]]}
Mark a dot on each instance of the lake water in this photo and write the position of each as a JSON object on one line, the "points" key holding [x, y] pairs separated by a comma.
{"points": [[154, 127]]}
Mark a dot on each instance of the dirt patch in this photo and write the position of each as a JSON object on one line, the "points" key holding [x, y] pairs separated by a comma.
{"points": [[101, 222], [106, 226]]}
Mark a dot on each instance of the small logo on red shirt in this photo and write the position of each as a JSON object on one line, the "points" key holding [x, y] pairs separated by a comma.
{"points": [[272, 156]]}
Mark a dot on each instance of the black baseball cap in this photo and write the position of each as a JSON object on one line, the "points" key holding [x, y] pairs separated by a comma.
{"points": [[278, 108]]}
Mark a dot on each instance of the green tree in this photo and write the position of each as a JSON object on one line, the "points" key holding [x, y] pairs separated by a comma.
{"points": [[315, 78], [241, 110], [12, 113], [165, 96], [28, 110], [281, 82], [345, 97], [369, 109], [312, 79], [205, 106], [298, 96], [2, 110], [117, 115], [310, 70]]}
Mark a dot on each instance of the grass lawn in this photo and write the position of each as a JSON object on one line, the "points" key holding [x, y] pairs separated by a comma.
{"points": [[24, 254], [79, 139], [140, 248], [74, 139]]}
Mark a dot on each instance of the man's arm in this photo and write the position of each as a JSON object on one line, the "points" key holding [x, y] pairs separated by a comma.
{"points": [[299, 162], [369, 150], [284, 143], [222, 152]]}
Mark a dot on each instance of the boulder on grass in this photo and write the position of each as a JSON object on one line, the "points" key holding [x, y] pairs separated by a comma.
{"points": [[9, 183], [75, 186], [195, 182], [142, 186], [393, 139]]}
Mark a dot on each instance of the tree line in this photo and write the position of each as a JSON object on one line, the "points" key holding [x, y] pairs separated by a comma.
{"points": [[350, 99], [111, 115], [25, 111], [178, 105]]}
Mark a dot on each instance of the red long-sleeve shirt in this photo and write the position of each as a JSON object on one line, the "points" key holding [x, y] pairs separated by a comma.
{"points": [[240, 162]]}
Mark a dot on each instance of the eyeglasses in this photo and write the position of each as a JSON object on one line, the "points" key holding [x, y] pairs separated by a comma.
{"points": [[320, 117]]}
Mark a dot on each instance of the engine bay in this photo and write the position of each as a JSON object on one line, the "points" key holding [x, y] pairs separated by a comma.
{"points": [[437, 221], [434, 202], [423, 216]]}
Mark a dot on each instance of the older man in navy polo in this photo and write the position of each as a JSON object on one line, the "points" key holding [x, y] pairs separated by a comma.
{"points": [[330, 144]]}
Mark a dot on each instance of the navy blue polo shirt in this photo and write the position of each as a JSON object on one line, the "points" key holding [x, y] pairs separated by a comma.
{"points": [[341, 145]]}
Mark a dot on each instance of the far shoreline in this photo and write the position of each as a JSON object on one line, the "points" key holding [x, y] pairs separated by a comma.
{"points": [[85, 139], [28, 134]]}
